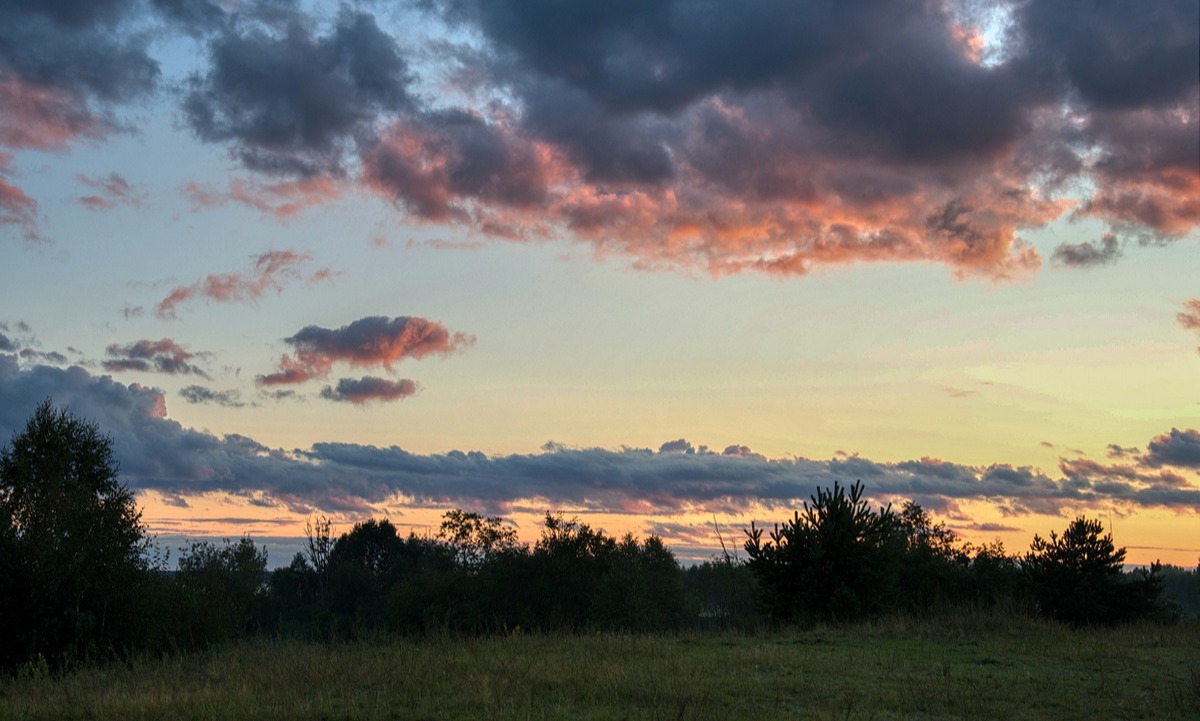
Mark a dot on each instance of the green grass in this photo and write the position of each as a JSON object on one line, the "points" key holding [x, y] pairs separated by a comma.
{"points": [[971, 668]]}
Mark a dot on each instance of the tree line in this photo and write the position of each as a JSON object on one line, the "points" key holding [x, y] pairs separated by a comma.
{"points": [[82, 580]]}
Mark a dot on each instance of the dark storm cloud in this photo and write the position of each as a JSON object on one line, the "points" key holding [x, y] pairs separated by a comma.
{"points": [[161, 356], [1176, 448], [292, 103], [369, 388], [1088, 254], [157, 453], [372, 341]]}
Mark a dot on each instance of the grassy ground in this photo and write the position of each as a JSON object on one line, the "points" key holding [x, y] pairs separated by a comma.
{"points": [[896, 669]]}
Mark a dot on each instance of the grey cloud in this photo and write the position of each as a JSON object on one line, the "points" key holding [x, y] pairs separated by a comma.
{"points": [[292, 104], [1088, 254], [157, 453], [369, 388], [680, 445], [199, 394], [161, 356], [1176, 448], [1115, 54]]}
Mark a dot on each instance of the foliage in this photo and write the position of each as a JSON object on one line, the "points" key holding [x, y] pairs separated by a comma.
{"points": [[723, 592], [218, 590], [836, 559], [475, 539], [1077, 577], [1181, 590], [72, 543]]}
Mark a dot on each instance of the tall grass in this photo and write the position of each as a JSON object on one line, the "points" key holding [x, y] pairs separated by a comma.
{"points": [[970, 667]]}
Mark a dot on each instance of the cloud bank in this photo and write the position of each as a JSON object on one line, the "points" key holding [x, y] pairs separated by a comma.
{"points": [[158, 454]]}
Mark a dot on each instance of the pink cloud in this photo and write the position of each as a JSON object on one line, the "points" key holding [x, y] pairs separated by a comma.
{"points": [[16, 208], [113, 190], [42, 118], [1189, 317], [271, 272], [282, 199], [368, 342]]}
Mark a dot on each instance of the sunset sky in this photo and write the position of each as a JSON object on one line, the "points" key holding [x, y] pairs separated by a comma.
{"points": [[664, 265]]}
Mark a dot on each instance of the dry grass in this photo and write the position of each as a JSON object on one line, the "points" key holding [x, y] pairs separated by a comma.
{"points": [[961, 668]]}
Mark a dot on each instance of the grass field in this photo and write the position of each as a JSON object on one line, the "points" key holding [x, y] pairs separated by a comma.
{"points": [[974, 668]]}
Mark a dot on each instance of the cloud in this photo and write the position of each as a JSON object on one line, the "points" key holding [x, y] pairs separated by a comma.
{"points": [[290, 103], [1176, 448], [162, 356], [201, 395], [113, 190], [825, 135], [1087, 254], [680, 445], [157, 453], [65, 65], [1189, 317], [16, 208], [283, 199], [271, 271], [1118, 451], [369, 388], [367, 342]]}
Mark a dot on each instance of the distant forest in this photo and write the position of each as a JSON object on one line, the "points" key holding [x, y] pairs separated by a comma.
{"points": [[82, 580]]}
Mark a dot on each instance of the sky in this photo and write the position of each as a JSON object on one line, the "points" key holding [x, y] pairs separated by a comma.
{"points": [[667, 266]]}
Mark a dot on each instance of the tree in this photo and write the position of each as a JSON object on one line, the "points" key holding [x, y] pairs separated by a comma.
{"points": [[72, 537], [1078, 577], [934, 569], [476, 539], [218, 588], [835, 559]]}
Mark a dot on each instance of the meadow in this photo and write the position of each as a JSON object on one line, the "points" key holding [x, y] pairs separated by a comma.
{"points": [[966, 667]]}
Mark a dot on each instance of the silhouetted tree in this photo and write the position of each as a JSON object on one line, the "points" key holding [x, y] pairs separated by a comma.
{"points": [[474, 538], [219, 590], [994, 577], [934, 567], [836, 559], [1181, 590], [318, 546], [724, 593], [1077, 577], [72, 542]]}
